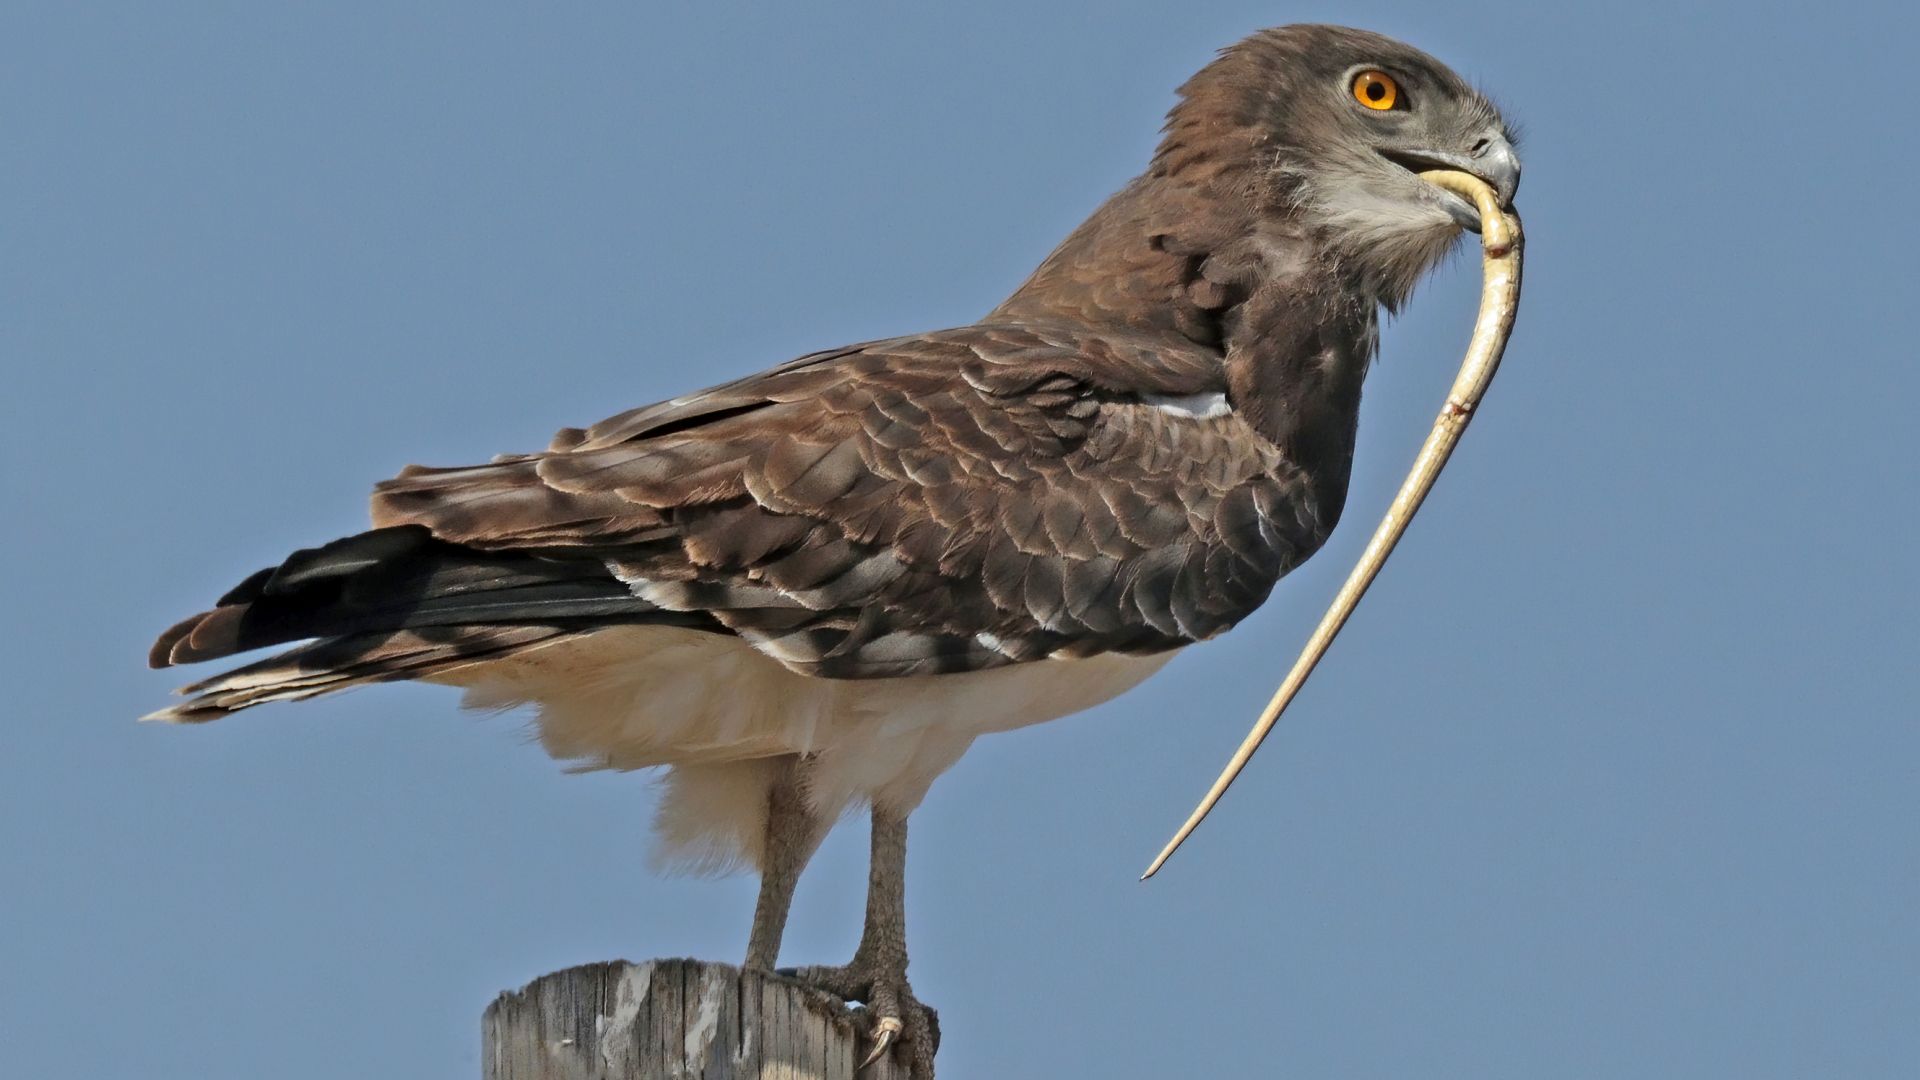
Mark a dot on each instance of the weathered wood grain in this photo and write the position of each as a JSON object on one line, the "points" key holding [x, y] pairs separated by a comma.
{"points": [[678, 1019]]}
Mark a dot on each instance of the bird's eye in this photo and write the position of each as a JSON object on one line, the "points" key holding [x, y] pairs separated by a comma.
{"points": [[1376, 90]]}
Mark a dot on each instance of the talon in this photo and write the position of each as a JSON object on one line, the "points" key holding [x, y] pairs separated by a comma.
{"points": [[883, 1035]]}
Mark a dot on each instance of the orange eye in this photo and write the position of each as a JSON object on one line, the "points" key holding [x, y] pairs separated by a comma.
{"points": [[1376, 90]]}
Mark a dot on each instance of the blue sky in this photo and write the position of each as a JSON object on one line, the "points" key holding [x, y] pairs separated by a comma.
{"points": [[1615, 773]]}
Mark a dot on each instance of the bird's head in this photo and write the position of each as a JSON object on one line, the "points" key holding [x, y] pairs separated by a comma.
{"points": [[1331, 126]]}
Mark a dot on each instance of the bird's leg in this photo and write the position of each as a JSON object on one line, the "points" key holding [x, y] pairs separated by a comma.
{"points": [[794, 831], [878, 974]]}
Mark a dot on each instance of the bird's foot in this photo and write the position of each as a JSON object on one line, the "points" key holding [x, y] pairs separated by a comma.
{"points": [[901, 1024]]}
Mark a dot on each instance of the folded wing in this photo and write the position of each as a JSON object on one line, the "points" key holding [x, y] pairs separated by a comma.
{"points": [[945, 502]]}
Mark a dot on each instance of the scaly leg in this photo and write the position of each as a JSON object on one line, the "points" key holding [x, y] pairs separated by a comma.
{"points": [[794, 832], [878, 974]]}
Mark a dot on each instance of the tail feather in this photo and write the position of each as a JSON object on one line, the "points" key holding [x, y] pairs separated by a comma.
{"points": [[394, 579], [392, 603], [334, 664]]}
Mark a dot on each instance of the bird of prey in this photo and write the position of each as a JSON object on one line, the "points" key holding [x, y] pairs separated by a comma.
{"points": [[811, 589]]}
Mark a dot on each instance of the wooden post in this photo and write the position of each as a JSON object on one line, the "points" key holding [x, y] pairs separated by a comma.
{"points": [[679, 1019]]}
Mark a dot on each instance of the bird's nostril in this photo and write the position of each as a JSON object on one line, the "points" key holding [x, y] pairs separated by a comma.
{"points": [[1481, 147]]}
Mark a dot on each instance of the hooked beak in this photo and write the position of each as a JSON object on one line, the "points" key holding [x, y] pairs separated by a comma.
{"points": [[1492, 159]]}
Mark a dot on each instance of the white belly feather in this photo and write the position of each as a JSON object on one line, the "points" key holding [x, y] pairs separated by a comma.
{"points": [[721, 715]]}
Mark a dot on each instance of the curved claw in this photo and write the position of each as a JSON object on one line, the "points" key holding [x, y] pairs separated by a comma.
{"points": [[888, 1029]]}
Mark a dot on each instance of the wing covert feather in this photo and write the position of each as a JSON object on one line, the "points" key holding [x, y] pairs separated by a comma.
{"points": [[945, 502]]}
